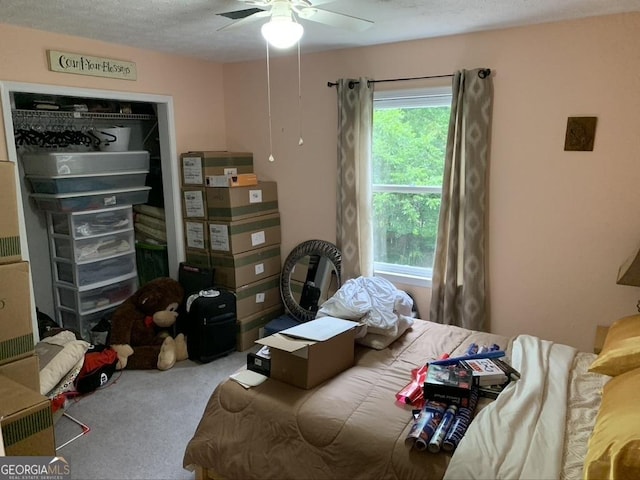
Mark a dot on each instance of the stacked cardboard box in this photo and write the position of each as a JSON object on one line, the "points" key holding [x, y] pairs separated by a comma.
{"points": [[234, 229], [25, 415]]}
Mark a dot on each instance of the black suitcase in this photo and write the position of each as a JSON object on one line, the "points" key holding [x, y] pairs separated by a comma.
{"points": [[211, 317], [193, 279]]}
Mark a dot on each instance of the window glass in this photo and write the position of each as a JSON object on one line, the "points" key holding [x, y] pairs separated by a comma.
{"points": [[409, 142]]}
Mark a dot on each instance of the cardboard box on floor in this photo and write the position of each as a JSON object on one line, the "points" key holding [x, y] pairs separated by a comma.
{"points": [[257, 296], [198, 258], [249, 327], [312, 352], [25, 371], [9, 226], [26, 420], [16, 331]]}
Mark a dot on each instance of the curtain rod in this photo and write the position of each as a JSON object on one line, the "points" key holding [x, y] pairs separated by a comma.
{"points": [[483, 73]]}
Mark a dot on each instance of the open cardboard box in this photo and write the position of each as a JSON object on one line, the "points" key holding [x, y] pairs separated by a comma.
{"points": [[312, 352]]}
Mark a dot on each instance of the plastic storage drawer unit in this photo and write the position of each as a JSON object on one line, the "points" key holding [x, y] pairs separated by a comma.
{"points": [[53, 164], [93, 248], [70, 202], [87, 183], [82, 323], [87, 224], [96, 273], [90, 301]]}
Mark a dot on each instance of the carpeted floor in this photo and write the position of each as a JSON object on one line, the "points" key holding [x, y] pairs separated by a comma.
{"points": [[141, 421]]}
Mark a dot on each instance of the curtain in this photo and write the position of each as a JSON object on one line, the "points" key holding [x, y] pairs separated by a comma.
{"points": [[458, 289], [354, 232]]}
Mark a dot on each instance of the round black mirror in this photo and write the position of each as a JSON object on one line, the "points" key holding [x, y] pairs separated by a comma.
{"points": [[310, 275]]}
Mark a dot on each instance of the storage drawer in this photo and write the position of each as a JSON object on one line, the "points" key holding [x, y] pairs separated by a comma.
{"points": [[83, 163], [61, 202], [93, 248], [89, 301], [86, 224], [87, 183], [95, 273], [82, 323]]}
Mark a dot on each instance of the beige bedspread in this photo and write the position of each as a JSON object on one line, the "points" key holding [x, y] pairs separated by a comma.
{"points": [[349, 427]]}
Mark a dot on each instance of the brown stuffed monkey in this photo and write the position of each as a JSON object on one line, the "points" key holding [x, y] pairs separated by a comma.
{"points": [[140, 327]]}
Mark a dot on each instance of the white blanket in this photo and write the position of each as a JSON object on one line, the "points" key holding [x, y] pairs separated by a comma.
{"points": [[372, 301], [522, 431]]}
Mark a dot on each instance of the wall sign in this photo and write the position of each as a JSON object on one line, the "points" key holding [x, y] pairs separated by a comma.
{"points": [[94, 66]]}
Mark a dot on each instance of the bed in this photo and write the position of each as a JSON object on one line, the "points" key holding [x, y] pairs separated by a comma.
{"points": [[352, 427]]}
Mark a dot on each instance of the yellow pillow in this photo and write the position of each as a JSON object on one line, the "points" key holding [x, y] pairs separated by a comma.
{"points": [[621, 350], [614, 446]]}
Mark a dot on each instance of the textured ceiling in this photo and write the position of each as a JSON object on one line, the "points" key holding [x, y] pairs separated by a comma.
{"points": [[190, 27]]}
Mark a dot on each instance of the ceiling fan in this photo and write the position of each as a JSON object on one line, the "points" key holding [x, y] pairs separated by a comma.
{"points": [[283, 29]]}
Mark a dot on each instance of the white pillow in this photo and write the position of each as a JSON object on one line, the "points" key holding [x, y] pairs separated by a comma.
{"points": [[379, 342], [70, 352]]}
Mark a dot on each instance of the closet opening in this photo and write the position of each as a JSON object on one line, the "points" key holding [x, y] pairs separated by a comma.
{"points": [[98, 192]]}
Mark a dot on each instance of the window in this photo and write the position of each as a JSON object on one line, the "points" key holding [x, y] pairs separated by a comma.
{"points": [[409, 142]]}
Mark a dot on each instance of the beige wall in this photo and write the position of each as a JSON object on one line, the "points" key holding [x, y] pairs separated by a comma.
{"points": [[196, 86], [560, 223]]}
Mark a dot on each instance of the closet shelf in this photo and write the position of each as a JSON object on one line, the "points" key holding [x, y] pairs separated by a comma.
{"points": [[25, 114]]}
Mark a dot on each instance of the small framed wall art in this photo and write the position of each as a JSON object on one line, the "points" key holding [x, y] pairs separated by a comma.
{"points": [[581, 132]]}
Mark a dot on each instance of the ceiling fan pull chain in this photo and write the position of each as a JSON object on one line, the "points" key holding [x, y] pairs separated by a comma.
{"points": [[300, 141], [271, 159]]}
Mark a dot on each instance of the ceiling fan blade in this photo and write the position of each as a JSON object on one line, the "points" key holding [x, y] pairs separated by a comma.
{"points": [[239, 14], [246, 20], [333, 19]]}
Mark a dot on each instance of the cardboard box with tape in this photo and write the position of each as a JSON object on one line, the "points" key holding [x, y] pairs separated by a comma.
{"points": [[236, 203], [258, 296], [25, 371], [26, 421], [249, 327], [9, 226], [198, 165], [244, 235], [16, 330], [312, 352], [233, 271]]}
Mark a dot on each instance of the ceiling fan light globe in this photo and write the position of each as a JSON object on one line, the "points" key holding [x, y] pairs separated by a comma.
{"points": [[282, 34]]}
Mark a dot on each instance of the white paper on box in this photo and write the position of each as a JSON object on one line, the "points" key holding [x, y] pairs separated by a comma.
{"points": [[257, 238], [320, 329], [255, 196], [195, 235], [219, 237], [192, 170], [230, 171], [260, 297], [259, 268], [194, 203], [217, 181]]}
